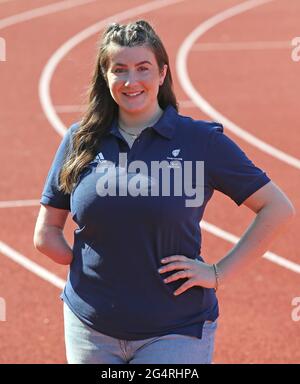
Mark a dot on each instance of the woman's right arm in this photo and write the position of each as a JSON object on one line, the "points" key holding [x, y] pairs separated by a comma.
{"points": [[48, 234]]}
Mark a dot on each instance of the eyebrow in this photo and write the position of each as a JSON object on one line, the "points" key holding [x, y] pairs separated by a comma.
{"points": [[140, 63]]}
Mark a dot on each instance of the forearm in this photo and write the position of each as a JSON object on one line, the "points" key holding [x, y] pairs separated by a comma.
{"points": [[51, 242], [267, 225]]}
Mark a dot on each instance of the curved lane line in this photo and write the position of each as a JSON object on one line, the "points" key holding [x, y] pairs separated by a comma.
{"points": [[41, 11], [18, 203], [6, 22], [198, 99], [270, 256], [242, 46], [186, 84], [31, 266]]}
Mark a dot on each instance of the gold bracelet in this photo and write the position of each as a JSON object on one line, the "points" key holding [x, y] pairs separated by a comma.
{"points": [[217, 277]]}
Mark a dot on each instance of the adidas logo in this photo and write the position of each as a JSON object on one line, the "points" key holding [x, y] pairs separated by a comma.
{"points": [[100, 158]]}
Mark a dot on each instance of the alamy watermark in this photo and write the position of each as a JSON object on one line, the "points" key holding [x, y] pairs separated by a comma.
{"points": [[2, 49], [296, 311], [184, 178], [296, 51], [2, 309]]}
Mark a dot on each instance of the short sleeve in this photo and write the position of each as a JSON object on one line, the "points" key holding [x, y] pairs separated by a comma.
{"points": [[51, 194], [230, 171]]}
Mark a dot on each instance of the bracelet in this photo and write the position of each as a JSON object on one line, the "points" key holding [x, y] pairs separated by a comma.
{"points": [[217, 277]]}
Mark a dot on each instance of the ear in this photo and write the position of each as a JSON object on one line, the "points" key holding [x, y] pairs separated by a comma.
{"points": [[163, 74]]}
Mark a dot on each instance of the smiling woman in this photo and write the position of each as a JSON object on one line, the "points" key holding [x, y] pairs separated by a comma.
{"points": [[138, 289], [134, 79]]}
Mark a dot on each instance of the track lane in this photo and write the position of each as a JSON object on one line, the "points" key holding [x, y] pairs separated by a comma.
{"points": [[228, 353], [219, 214], [33, 330]]}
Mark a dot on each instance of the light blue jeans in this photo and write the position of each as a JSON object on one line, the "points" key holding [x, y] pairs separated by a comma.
{"points": [[84, 345]]}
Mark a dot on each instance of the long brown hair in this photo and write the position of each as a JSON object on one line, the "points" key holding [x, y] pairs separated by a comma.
{"points": [[102, 109]]}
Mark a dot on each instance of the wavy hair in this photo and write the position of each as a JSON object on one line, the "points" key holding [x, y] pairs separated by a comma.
{"points": [[102, 108]]}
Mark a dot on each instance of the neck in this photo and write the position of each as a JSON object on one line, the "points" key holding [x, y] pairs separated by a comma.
{"points": [[133, 121]]}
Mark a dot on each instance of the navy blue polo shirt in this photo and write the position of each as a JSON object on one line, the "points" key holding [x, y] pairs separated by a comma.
{"points": [[113, 284]]}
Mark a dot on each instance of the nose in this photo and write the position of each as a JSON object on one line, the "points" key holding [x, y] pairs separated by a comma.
{"points": [[130, 79]]}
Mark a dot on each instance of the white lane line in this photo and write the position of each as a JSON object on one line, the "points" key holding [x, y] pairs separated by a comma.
{"points": [[242, 46], [198, 99], [227, 236], [45, 80], [41, 11], [60, 283], [18, 203], [4, 248], [31, 266], [204, 225], [82, 108]]}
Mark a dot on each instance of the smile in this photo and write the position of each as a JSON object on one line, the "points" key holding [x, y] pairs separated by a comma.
{"points": [[133, 94]]}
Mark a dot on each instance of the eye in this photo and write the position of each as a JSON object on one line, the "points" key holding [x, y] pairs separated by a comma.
{"points": [[119, 70], [142, 69]]}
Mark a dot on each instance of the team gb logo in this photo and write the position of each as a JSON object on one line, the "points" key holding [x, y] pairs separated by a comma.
{"points": [[175, 152]]}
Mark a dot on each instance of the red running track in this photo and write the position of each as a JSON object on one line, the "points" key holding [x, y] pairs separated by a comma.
{"points": [[255, 88]]}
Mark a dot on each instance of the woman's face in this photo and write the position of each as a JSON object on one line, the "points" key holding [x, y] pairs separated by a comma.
{"points": [[134, 78]]}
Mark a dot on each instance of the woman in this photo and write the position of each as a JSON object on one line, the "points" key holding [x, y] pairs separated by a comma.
{"points": [[138, 290]]}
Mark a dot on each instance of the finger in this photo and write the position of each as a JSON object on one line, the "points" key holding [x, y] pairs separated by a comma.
{"points": [[178, 275], [184, 287], [174, 258], [173, 266]]}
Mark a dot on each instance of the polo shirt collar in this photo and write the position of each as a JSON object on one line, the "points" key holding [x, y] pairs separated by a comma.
{"points": [[165, 126]]}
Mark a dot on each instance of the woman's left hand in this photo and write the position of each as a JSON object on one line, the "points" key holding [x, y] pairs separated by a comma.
{"points": [[198, 273]]}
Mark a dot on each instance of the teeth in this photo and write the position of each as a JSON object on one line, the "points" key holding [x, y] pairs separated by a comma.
{"points": [[133, 94]]}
